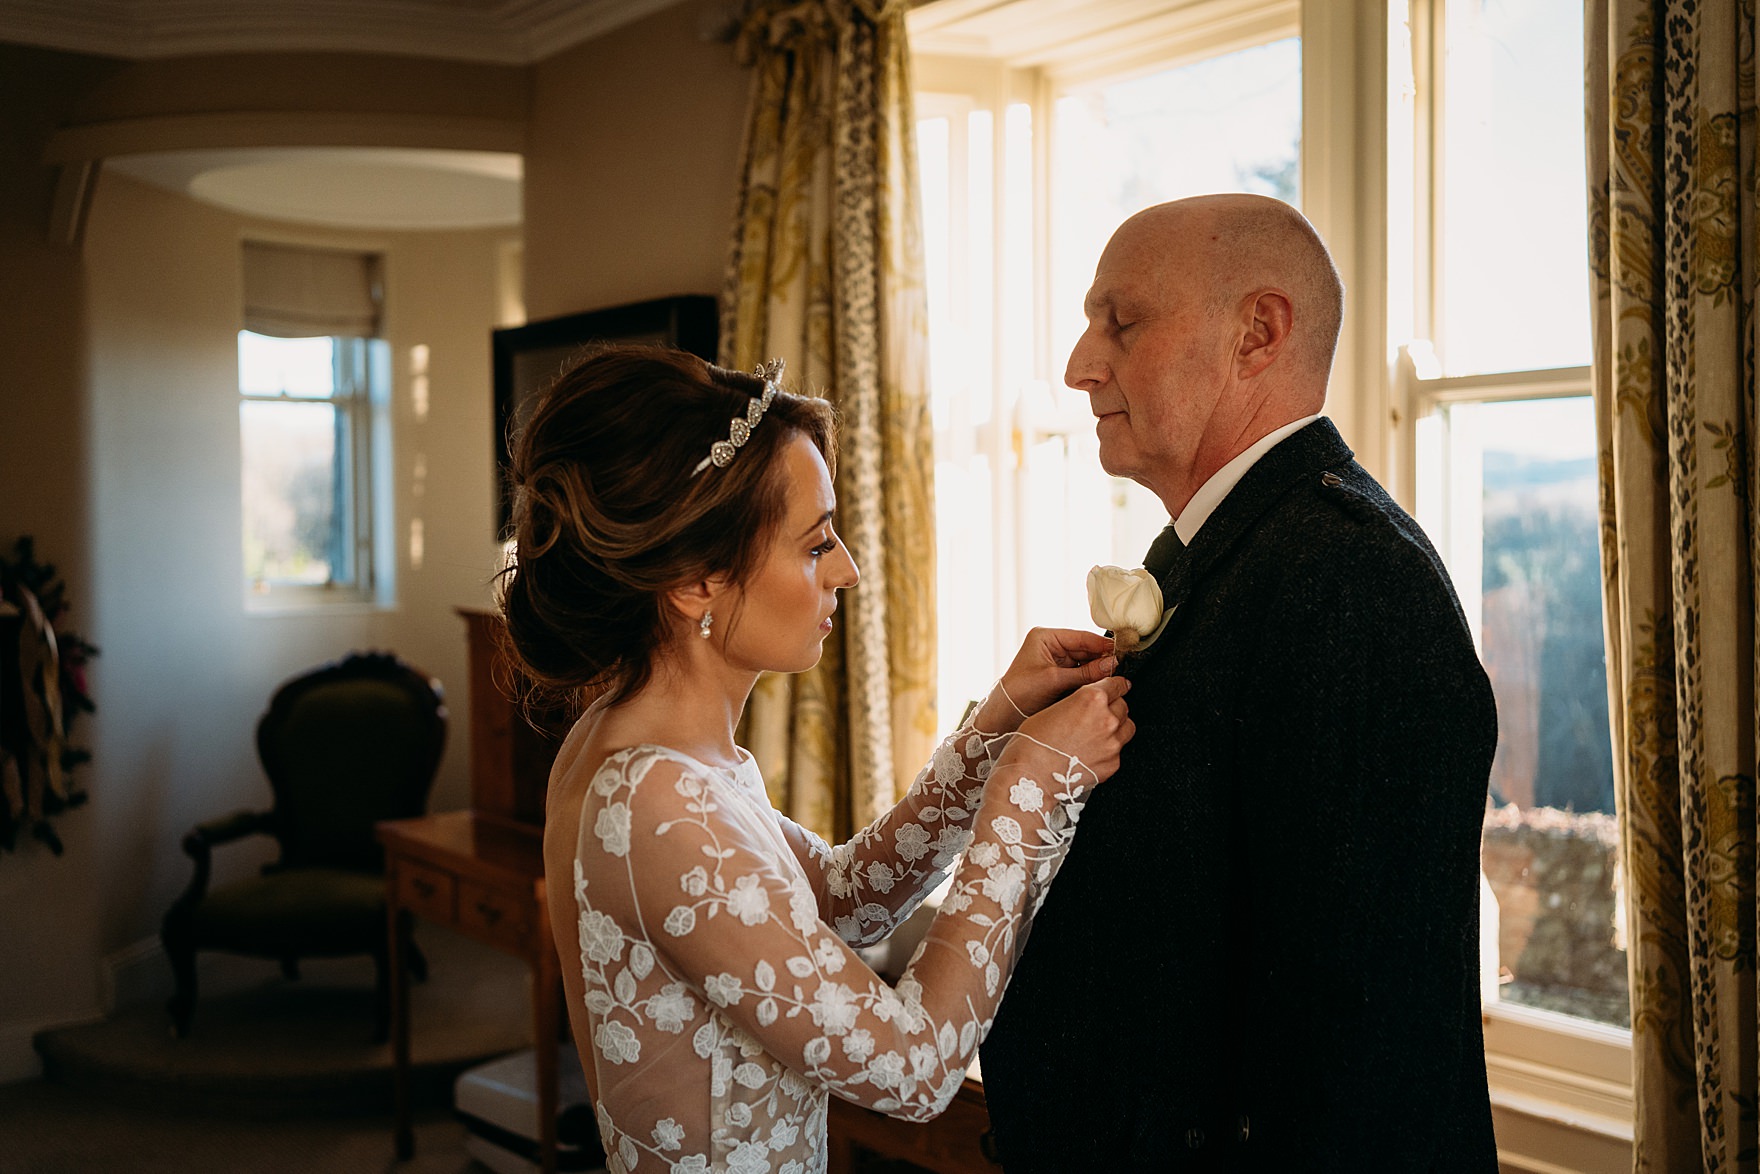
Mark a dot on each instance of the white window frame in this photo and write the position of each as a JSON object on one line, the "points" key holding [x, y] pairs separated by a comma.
{"points": [[958, 90], [1561, 1087], [361, 378], [1545, 1069]]}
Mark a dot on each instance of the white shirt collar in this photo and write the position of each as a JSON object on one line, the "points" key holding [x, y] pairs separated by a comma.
{"points": [[1211, 493]]}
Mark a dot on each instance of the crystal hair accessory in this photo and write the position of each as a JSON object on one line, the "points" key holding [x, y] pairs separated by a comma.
{"points": [[739, 429]]}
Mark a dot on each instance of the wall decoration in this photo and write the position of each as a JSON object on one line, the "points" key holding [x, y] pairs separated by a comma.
{"points": [[42, 691]]}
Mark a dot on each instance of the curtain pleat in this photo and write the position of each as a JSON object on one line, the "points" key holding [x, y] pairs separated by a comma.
{"points": [[825, 271], [1671, 122]]}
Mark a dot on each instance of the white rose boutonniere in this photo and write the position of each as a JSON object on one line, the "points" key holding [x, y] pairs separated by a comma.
{"points": [[1128, 604]]}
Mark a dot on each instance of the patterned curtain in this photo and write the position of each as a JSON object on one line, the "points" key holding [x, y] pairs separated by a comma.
{"points": [[1671, 117], [826, 272]]}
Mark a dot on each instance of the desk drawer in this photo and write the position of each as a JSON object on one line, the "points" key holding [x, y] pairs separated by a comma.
{"points": [[426, 891], [953, 1143], [502, 917]]}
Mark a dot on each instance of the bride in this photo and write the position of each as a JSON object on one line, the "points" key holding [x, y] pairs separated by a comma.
{"points": [[674, 538]]}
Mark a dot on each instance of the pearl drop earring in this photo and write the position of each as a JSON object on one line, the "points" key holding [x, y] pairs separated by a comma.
{"points": [[703, 624]]}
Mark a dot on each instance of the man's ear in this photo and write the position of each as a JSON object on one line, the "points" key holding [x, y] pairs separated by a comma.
{"points": [[1269, 319]]}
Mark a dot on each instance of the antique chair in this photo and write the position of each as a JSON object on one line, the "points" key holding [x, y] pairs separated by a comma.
{"points": [[344, 746]]}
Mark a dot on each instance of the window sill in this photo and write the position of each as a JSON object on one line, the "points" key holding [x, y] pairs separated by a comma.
{"points": [[1536, 1139], [1561, 1091], [257, 608], [1553, 1113]]}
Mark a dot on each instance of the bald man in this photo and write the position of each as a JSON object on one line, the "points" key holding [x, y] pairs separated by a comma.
{"points": [[1262, 951]]}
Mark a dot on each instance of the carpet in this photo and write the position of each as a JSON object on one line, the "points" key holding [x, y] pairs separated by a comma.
{"points": [[293, 1048]]}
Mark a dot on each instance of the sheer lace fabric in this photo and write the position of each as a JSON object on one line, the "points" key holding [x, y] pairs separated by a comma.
{"points": [[724, 1000]]}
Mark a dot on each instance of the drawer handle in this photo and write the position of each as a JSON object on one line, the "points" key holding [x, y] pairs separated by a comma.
{"points": [[489, 912]]}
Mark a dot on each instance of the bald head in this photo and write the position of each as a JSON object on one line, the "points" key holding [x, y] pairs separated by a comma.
{"points": [[1234, 245], [1211, 324]]}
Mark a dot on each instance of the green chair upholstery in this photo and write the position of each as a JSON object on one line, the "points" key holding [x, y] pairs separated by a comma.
{"points": [[344, 746]]}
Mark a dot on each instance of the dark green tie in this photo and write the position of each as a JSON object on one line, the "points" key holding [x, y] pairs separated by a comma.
{"points": [[1168, 560]]}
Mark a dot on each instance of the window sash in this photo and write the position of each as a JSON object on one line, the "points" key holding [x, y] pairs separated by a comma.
{"points": [[358, 405]]}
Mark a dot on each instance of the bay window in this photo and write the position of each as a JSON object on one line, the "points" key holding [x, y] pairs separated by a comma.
{"points": [[1438, 147]]}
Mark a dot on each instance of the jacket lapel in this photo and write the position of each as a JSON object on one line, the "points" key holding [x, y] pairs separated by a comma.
{"points": [[1296, 458]]}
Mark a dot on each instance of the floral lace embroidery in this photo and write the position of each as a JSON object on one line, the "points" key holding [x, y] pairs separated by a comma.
{"points": [[724, 1000]]}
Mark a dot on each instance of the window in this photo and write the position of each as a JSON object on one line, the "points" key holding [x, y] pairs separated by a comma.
{"points": [[306, 417], [1504, 451], [314, 438], [1009, 258], [1441, 155]]}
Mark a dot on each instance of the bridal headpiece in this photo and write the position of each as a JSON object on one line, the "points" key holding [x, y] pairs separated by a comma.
{"points": [[739, 429]]}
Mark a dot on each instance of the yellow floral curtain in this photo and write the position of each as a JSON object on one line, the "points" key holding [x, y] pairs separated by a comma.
{"points": [[1671, 106], [825, 271]]}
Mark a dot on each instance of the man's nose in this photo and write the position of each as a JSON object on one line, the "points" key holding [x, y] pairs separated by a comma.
{"points": [[1085, 371]]}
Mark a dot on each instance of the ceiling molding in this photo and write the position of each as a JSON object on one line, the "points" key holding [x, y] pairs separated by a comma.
{"points": [[1074, 40], [246, 129], [498, 32]]}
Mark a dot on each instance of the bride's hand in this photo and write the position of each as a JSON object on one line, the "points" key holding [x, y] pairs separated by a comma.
{"points": [[1091, 725], [1051, 662]]}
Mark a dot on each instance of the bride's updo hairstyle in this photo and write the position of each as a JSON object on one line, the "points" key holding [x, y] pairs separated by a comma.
{"points": [[609, 513]]}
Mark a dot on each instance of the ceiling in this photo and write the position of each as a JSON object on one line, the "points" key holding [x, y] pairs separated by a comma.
{"points": [[409, 189], [345, 187], [504, 32], [337, 187]]}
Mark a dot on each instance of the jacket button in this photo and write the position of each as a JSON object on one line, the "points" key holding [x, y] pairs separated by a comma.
{"points": [[1331, 480], [1194, 1138], [1246, 1127]]}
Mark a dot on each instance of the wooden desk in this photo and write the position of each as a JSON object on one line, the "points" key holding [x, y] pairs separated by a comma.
{"points": [[953, 1143], [485, 878]]}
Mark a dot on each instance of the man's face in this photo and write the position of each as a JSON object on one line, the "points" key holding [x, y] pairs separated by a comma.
{"points": [[1154, 361]]}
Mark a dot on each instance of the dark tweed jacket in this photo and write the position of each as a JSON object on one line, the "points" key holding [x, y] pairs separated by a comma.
{"points": [[1262, 950]]}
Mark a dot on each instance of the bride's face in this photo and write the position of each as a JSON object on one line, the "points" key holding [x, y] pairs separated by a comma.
{"points": [[784, 610]]}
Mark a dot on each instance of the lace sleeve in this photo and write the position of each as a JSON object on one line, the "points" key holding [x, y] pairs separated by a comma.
{"points": [[868, 885], [735, 924]]}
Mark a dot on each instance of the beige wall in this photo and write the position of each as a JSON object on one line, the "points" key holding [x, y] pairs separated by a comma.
{"points": [[47, 904], [339, 82], [632, 153], [297, 99], [186, 668], [119, 451], [119, 441]]}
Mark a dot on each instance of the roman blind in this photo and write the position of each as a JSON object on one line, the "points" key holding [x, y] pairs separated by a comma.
{"points": [[292, 292]]}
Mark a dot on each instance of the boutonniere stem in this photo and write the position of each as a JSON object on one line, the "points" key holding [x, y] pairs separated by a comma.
{"points": [[1127, 640], [1128, 604]]}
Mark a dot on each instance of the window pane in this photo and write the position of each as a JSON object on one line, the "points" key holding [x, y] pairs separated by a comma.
{"points": [[934, 164], [1514, 288], [1023, 507], [304, 368], [1551, 841], [956, 150], [292, 526], [1228, 123]]}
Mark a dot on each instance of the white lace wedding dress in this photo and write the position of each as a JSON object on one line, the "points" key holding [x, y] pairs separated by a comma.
{"points": [[723, 997]]}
